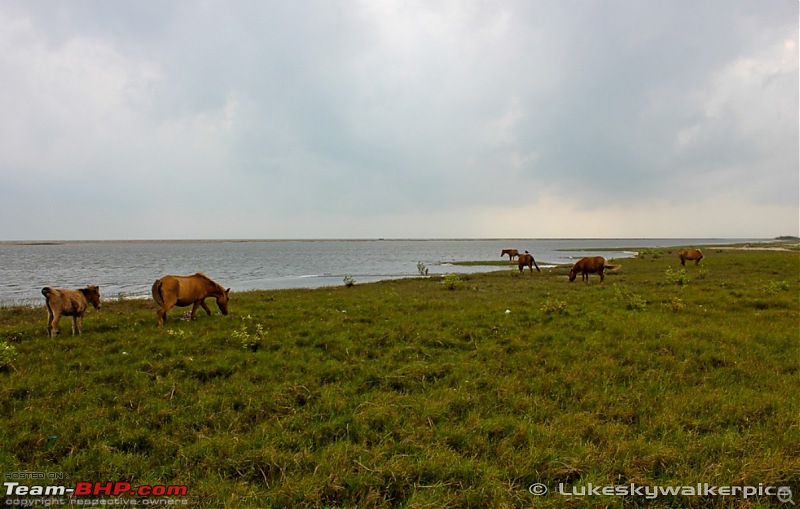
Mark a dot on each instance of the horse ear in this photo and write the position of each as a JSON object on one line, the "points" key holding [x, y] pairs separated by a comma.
{"points": [[226, 291]]}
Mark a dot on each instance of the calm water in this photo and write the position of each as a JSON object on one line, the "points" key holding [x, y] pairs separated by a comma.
{"points": [[130, 268]]}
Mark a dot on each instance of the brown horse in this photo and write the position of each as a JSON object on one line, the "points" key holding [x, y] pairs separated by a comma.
{"points": [[526, 260], [510, 252], [184, 290], [593, 265], [690, 254], [74, 303]]}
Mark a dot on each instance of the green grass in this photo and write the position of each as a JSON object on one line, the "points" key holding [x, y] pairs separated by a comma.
{"points": [[410, 394]]}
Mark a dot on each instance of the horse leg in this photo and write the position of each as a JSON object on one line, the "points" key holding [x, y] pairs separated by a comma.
{"points": [[194, 309], [204, 306], [50, 316], [162, 312], [55, 320], [162, 316], [77, 324]]}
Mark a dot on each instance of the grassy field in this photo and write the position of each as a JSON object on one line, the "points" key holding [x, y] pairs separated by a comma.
{"points": [[432, 392]]}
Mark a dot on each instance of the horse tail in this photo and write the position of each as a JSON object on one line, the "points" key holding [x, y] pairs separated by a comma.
{"points": [[157, 296], [46, 291], [533, 260]]}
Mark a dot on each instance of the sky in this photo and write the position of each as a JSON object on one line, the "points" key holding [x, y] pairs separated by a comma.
{"points": [[398, 119]]}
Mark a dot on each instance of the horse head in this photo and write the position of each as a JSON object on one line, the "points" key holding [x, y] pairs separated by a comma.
{"points": [[92, 294], [222, 300]]}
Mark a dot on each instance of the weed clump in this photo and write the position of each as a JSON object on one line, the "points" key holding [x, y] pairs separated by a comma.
{"points": [[7, 355], [250, 340], [774, 287], [553, 306], [632, 301], [452, 281], [652, 253], [675, 304], [676, 277], [176, 333]]}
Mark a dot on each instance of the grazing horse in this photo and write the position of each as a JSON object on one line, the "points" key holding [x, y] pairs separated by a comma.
{"points": [[690, 254], [594, 264], [74, 303], [185, 290], [526, 260], [510, 252]]}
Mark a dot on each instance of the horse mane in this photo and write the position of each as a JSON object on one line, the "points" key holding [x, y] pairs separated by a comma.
{"points": [[209, 280]]}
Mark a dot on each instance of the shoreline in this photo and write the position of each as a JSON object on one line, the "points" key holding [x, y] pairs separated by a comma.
{"points": [[477, 264]]}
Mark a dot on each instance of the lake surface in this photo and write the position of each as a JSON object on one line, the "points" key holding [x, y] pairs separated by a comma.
{"points": [[130, 268]]}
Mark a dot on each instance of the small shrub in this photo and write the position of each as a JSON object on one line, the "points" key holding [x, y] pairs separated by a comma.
{"points": [[676, 277], [452, 281], [651, 253], [7, 355], [250, 341], [632, 301], [422, 269], [553, 306], [774, 287], [675, 304], [349, 281]]}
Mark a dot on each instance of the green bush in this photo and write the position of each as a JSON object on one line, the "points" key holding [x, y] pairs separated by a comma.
{"points": [[553, 306], [630, 300], [452, 281], [247, 339], [676, 277], [7, 355], [653, 253], [675, 304], [774, 287]]}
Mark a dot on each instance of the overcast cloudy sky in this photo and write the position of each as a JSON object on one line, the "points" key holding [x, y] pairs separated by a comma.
{"points": [[365, 119]]}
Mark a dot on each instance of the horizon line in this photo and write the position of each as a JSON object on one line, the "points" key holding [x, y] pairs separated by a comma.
{"points": [[358, 239]]}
